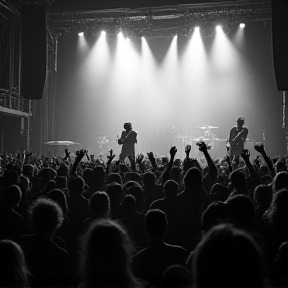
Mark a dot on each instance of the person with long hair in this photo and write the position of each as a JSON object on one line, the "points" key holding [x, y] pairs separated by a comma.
{"points": [[106, 256]]}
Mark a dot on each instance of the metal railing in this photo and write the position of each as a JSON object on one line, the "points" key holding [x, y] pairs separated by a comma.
{"points": [[12, 100]]}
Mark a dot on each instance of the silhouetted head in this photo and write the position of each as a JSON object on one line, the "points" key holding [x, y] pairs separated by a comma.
{"points": [[176, 276], [263, 196], [156, 223], [14, 272], [227, 257], [12, 196], [216, 213], [170, 189], [192, 178], [106, 255], [59, 197], [99, 204], [46, 216], [240, 121], [149, 179], [129, 203], [76, 186], [115, 193], [114, 177], [241, 210], [280, 181], [175, 174], [127, 126], [46, 174], [237, 179]]}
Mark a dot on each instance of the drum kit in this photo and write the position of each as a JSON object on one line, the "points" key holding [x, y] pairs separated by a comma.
{"points": [[180, 136]]}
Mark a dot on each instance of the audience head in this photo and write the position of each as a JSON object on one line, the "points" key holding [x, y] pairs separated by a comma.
{"points": [[170, 189], [114, 177], [129, 203], [263, 196], [193, 178], [11, 177], [14, 272], [175, 174], [149, 179], [106, 255], [156, 223], [115, 193], [87, 175], [99, 205], [132, 176], [46, 174], [216, 213], [176, 276], [59, 197], [61, 182], [241, 210], [227, 257], [277, 214], [220, 191], [280, 181], [76, 186], [138, 193], [12, 196], [63, 170], [237, 179], [28, 170], [46, 216]]}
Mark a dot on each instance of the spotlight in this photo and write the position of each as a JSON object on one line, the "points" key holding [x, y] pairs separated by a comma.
{"points": [[242, 25], [218, 27], [81, 34], [103, 33], [120, 34], [197, 29], [128, 39]]}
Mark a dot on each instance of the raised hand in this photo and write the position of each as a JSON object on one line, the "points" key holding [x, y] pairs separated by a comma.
{"points": [[173, 151], [139, 158], [245, 154], [151, 156], [111, 156], [187, 150], [202, 146], [67, 154], [259, 148]]}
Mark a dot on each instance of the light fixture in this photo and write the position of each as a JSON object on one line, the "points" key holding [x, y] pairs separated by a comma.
{"points": [[80, 34], [218, 27], [103, 33], [242, 25]]}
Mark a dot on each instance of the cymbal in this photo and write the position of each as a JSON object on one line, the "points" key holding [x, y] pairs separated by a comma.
{"points": [[61, 143], [207, 127]]}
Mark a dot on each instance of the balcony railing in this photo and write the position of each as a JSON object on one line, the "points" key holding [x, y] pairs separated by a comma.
{"points": [[13, 100]]}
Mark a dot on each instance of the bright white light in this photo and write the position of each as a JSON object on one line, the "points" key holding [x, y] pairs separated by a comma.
{"points": [[103, 33], [120, 34], [128, 39], [242, 25], [81, 34], [219, 28], [197, 29]]}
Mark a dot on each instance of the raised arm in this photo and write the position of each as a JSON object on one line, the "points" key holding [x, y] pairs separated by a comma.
{"points": [[212, 173], [166, 173]]}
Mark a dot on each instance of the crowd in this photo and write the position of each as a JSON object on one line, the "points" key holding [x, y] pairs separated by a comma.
{"points": [[146, 222]]}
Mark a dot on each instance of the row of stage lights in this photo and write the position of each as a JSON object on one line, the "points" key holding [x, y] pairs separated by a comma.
{"points": [[196, 29]]}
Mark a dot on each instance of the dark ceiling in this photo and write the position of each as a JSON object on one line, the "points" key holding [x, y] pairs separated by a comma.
{"points": [[77, 5]]}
